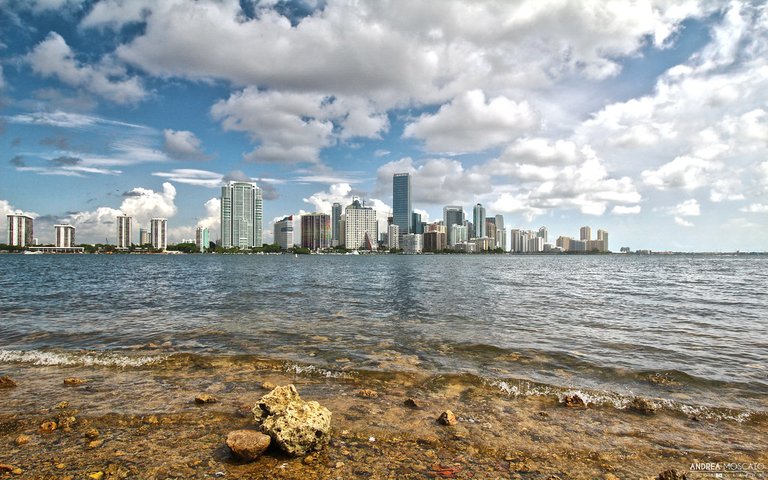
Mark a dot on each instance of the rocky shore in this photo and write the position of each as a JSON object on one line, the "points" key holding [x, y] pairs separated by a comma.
{"points": [[214, 421]]}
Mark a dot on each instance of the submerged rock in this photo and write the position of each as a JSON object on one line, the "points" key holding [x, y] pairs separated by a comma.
{"points": [[671, 474], [642, 405], [247, 445], [295, 425], [368, 393], [573, 401], [411, 403], [447, 418], [48, 427], [7, 382]]}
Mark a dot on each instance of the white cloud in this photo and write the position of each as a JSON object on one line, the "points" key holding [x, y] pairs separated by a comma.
{"points": [[7, 209], [53, 58], [686, 172], [688, 208], [626, 210], [323, 201], [191, 176], [183, 145], [68, 120], [683, 222], [755, 208], [469, 123]]}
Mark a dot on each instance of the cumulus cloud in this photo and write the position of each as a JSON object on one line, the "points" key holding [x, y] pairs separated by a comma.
{"points": [[688, 208], [755, 208], [183, 145], [7, 209], [625, 210], [54, 58], [469, 123], [688, 173]]}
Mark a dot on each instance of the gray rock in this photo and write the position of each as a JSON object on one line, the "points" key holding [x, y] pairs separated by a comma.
{"points": [[247, 445], [296, 426]]}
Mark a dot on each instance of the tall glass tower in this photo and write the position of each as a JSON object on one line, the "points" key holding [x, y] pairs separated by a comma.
{"points": [[335, 224], [401, 202], [452, 215], [479, 221], [241, 215]]}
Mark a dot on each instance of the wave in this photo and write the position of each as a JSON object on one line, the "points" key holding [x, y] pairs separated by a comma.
{"points": [[80, 359]]}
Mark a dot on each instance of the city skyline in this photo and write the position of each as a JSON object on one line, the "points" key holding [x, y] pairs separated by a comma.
{"points": [[651, 123]]}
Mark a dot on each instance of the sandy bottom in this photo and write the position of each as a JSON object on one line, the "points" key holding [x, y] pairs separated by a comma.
{"points": [[149, 427]]}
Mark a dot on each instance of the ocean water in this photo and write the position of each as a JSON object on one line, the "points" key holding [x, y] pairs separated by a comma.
{"points": [[689, 332]]}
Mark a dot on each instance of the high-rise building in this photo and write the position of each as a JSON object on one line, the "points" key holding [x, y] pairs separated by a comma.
{"points": [[158, 232], [393, 236], [336, 224], [458, 234], [202, 238], [124, 232], [316, 231], [585, 234], [144, 237], [501, 233], [490, 230], [602, 236], [20, 230], [452, 215], [65, 235], [478, 220], [241, 215], [543, 233], [401, 202], [284, 232], [433, 241], [417, 226], [564, 243], [361, 228], [411, 243]]}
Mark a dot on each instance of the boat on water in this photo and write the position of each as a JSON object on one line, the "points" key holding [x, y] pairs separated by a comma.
{"points": [[32, 252]]}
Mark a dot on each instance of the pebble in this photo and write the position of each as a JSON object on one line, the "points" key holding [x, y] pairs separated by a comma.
{"points": [[7, 382], [247, 445], [74, 381], [204, 398], [447, 418], [22, 440], [368, 393], [48, 427], [411, 403], [268, 385], [96, 475], [95, 443], [62, 405], [92, 433]]}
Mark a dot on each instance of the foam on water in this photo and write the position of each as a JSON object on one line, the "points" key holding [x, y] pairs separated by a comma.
{"points": [[79, 359]]}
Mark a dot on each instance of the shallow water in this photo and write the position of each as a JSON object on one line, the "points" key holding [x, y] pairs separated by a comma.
{"points": [[687, 331]]}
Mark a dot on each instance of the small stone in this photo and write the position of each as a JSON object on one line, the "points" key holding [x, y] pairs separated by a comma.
{"points": [[96, 475], [92, 433], [339, 464], [573, 401], [447, 418], [95, 443], [247, 445], [309, 459], [368, 393], [22, 440], [642, 405], [151, 420], [411, 403], [62, 405], [204, 398], [7, 382], [48, 427], [268, 385], [74, 381], [671, 474], [17, 471], [61, 466]]}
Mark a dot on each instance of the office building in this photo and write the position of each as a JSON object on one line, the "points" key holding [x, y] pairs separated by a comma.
{"points": [[124, 231], [393, 237], [158, 233], [585, 234], [361, 228], [202, 238], [284, 233], [564, 243], [543, 233], [336, 225], [417, 226], [411, 243], [401, 202], [65, 235], [501, 233], [453, 215], [458, 234], [478, 220], [316, 231], [20, 230], [490, 230], [144, 237], [241, 215]]}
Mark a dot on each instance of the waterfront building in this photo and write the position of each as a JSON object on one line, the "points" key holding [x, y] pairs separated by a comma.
{"points": [[393, 236], [516, 241], [458, 233], [585, 234], [434, 240], [316, 231], [543, 234], [465, 247], [501, 233], [144, 237], [602, 236], [336, 224], [401, 202], [202, 238], [241, 215], [490, 230], [124, 232], [361, 229], [535, 244], [564, 243], [578, 245], [20, 230], [453, 215], [417, 226], [65, 235], [284, 232], [483, 244], [411, 243], [478, 220], [158, 233]]}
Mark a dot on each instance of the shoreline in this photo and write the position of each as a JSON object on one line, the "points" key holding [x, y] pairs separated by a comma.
{"points": [[150, 427]]}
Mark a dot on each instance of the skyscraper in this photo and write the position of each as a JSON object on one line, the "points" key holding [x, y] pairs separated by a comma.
{"points": [[336, 224], [241, 215], [401, 202], [543, 233], [20, 230], [65, 235], [585, 234], [315, 231], [144, 237], [478, 220], [393, 237], [158, 232], [501, 233], [284, 232], [360, 226], [452, 215], [123, 231], [202, 238], [416, 223]]}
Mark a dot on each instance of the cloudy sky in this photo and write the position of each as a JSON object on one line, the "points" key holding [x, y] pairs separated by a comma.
{"points": [[645, 118]]}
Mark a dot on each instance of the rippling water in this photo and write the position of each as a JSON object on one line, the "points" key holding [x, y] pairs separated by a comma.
{"points": [[686, 329]]}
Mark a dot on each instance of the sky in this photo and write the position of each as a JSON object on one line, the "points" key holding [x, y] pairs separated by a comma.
{"points": [[648, 119]]}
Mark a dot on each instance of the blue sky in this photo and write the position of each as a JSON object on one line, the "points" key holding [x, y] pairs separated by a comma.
{"points": [[647, 119]]}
